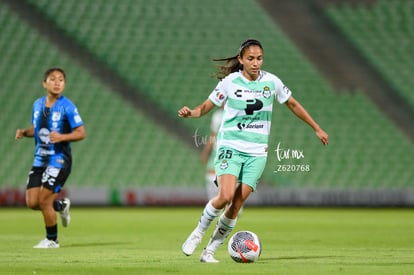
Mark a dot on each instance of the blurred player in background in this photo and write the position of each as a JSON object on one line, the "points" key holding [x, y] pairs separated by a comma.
{"points": [[55, 123], [242, 141], [208, 155], [209, 152]]}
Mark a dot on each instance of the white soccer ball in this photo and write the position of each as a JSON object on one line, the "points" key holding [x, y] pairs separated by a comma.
{"points": [[244, 247]]}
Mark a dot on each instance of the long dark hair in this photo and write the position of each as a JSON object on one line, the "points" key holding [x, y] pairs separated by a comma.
{"points": [[232, 64]]}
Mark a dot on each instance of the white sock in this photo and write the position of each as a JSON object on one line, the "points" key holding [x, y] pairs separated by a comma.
{"points": [[208, 216], [223, 229], [211, 188]]}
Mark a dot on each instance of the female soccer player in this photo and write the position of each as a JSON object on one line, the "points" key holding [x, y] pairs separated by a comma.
{"points": [[248, 93], [55, 123]]}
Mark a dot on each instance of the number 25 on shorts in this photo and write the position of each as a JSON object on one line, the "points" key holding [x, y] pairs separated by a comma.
{"points": [[225, 154]]}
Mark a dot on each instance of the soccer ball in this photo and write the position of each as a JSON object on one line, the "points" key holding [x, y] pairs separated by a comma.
{"points": [[244, 247]]}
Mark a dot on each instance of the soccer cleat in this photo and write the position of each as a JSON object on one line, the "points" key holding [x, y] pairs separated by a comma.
{"points": [[47, 244], [64, 214], [208, 257], [192, 242]]}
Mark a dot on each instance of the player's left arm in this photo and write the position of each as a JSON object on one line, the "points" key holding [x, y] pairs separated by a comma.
{"points": [[301, 112], [77, 134]]}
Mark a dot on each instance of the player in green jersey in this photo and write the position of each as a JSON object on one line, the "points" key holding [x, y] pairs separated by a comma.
{"points": [[248, 94]]}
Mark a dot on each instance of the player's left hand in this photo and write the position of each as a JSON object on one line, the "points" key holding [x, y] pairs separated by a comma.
{"points": [[323, 136], [55, 137]]}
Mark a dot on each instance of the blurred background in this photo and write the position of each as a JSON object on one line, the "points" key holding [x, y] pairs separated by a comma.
{"points": [[131, 64]]}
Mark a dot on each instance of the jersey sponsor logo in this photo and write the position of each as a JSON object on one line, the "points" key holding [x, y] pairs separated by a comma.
{"points": [[220, 96], [44, 135], [242, 126], [35, 116], [78, 119], [286, 90], [253, 105], [238, 93], [45, 152], [266, 92]]}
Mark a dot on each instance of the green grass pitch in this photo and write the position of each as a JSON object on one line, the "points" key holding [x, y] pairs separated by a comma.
{"points": [[148, 241]]}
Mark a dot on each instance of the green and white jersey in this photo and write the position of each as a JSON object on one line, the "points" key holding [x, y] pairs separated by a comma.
{"points": [[248, 110]]}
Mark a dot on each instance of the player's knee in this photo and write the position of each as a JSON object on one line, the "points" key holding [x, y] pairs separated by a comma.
{"points": [[226, 198], [34, 205], [43, 204]]}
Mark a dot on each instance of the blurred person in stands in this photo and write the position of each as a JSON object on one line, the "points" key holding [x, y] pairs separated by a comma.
{"points": [[55, 123], [248, 94]]}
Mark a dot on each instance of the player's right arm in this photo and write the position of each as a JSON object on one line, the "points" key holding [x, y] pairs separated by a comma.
{"points": [[20, 133], [198, 111]]}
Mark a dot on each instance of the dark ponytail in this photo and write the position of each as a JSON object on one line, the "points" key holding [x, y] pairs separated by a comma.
{"points": [[232, 64]]}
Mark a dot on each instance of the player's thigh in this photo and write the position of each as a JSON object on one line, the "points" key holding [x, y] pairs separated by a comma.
{"points": [[227, 184], [34, 183], [46, 198], [32, 197]]}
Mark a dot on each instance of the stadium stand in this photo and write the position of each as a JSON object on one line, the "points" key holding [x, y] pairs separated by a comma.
{"points": [[122, 145], [163, 49], [384, 34]]}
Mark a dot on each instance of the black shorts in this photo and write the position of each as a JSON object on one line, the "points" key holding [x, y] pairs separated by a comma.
{"points": [[49, 177]]}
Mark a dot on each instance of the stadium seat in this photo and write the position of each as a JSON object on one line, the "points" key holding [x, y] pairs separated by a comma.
{"points": [[384, 34], [163, 49]]}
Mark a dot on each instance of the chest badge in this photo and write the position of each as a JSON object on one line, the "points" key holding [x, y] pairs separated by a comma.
{"points": [[56, 116], [266, 92]]}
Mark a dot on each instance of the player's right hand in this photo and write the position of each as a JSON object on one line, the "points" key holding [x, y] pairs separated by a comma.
{"points": [[19, 134], [184, 112]]}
